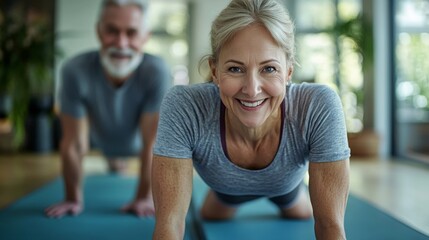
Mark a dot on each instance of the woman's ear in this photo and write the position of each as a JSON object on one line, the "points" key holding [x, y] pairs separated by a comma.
{"points": [[213, 74], [289, 73]]}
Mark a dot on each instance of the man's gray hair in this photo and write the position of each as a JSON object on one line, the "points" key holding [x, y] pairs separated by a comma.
{"points": [[142, 4]]}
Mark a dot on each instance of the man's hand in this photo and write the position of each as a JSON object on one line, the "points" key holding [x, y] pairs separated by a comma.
{"points": [[140, 207], [64, 208]]}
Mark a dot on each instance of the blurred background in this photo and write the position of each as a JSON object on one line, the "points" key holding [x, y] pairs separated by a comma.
{"points": [[375, 54]]}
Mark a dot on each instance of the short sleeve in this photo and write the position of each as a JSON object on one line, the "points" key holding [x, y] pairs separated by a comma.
{"points": [[326, 133], [70, 93], [158, 85], [175, 135]]}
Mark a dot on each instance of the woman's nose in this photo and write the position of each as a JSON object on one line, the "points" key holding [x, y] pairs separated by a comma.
{"points": [[252, 85]]}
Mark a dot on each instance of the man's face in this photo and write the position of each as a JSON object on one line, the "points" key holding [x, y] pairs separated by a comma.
{"points": [[122, 36]]}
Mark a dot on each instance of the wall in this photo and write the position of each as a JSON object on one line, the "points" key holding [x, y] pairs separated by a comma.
{"points": [[202, 14], [75, 28], [382, 76], [75, 24]]}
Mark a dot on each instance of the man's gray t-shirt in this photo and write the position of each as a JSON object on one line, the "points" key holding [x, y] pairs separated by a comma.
{"points": [[313, 130], [114, 113]]}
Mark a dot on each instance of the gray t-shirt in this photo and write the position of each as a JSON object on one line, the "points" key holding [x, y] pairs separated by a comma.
{"points": [[313, 130], [114, 112]]}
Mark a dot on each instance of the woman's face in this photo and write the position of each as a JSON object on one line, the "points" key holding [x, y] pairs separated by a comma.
{"points": [[252, 74]]}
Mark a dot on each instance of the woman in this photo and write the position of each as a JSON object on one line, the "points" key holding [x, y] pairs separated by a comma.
{"points": [[250, 133]]}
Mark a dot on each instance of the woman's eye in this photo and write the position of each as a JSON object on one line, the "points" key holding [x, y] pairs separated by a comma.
{"points": [[270, 69], [235, 70]]}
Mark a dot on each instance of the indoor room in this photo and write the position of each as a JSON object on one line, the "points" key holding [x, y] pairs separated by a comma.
{"points": [[76, 158]]}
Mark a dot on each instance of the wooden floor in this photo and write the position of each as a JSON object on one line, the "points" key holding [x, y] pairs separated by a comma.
{"points": [[397, 186]]}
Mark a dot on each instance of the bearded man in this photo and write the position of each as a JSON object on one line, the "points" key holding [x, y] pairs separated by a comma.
{"points": [[113, 95]]}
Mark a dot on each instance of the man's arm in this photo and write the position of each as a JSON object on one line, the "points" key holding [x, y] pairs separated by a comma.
{"points": [[73, 147], [143, 202], [329, 187], [172, 189]]}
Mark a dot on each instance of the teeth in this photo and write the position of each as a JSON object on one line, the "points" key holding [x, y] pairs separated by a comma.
{"points": [[252, 104]]}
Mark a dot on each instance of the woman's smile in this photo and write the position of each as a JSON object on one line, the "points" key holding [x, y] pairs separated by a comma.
{"points": [[251, 105]]}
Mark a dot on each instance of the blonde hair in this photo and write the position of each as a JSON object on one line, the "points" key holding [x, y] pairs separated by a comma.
{"points": [[242, 13]]}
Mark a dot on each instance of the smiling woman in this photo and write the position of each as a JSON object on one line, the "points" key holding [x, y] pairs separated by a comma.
{"points": [[252, 83], [250, 133]]}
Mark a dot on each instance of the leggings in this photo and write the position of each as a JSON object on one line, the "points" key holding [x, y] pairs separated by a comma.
{"points": [[282, 201]]}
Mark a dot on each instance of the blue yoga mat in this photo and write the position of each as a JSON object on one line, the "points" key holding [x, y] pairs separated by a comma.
{"points": [[104, 195], [259, 220], [101, 219]]}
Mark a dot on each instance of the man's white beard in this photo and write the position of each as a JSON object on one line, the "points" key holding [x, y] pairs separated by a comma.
{"points": [[120, 68]]}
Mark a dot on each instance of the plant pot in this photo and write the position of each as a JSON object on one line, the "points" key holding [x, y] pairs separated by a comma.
{"points": [[39, 129], [5, 105], [364, 144]]}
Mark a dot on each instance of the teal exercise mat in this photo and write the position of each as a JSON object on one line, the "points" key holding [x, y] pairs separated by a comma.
{"points": [[101, 219], [259, 220]]}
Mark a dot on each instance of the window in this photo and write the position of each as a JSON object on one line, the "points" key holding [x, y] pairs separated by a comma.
{"points": [[169, 22], [412, 78], [329, 34]]}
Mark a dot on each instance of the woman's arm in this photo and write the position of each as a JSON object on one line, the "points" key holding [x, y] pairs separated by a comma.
{"points": [[172, 190], [329, 187]]}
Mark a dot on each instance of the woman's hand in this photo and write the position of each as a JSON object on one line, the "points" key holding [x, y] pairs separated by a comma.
{"points": [[140, 207]]}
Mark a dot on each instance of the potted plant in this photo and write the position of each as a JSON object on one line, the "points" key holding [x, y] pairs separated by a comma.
{"points": [[27, 54], [364, 142]]}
